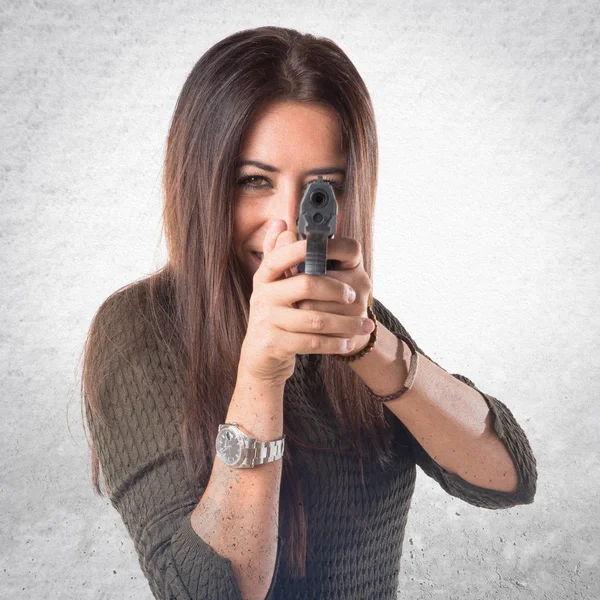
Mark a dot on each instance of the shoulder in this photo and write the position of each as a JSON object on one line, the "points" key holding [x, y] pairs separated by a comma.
{"points": [[130, 318], [128, 349], [121, 312], [147, 299]]}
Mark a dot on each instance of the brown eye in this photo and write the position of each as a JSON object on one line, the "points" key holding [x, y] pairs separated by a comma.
{"points": [[245, 182]]}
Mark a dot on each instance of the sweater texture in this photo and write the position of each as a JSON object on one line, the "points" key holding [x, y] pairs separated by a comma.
{"points": [[354, 534]]}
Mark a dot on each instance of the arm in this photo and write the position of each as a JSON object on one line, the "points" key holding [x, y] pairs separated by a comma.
{"points": [[465, 439], [238, 514], [176, 530]]}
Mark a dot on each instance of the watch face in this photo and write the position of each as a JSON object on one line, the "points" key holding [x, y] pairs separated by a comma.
{"points": [[229, 446]]}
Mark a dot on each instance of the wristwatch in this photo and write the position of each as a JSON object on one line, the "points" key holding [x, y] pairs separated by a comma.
{"points": [[241, 451]]}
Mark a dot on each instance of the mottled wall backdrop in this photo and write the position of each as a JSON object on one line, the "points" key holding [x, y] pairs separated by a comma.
{"points": [[487, 239]]}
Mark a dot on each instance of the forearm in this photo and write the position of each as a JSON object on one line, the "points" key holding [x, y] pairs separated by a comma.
{"points": [[238, 514], [450, 420]]}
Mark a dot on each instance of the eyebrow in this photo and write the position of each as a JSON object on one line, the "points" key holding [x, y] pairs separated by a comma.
{"points": [[265, 167]]}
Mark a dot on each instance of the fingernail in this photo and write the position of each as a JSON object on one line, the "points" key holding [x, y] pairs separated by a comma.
{"points": [[367, 326], [350, 294]]}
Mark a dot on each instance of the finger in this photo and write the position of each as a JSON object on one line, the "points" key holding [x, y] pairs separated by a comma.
{"points": [[338, 308], [274, 230], [277, 235], [346, 250], [319, 323], [284, 239], [288, 252], [308, 288]]}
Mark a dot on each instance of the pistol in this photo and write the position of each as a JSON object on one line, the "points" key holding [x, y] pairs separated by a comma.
{"points": [[317, 224]]}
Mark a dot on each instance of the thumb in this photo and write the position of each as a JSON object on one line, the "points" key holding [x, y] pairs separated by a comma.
{"points": [[277, 235]]}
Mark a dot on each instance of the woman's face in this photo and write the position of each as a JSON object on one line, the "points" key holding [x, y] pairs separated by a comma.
{"points": [[289, 139]]}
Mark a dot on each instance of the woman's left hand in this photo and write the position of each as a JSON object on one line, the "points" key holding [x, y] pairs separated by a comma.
{"points": [[348, 253]]}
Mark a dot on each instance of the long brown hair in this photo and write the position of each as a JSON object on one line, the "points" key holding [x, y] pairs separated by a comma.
{"points": [[202, 288]]}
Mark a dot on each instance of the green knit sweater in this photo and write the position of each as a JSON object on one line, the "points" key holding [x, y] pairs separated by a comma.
{"points": [[354, 534]]}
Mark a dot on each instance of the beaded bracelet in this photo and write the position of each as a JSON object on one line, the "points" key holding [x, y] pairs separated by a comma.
{"points": [[352, 357], [412, 371]]}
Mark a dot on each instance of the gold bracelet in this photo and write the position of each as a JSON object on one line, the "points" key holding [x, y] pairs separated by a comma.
{"points": [[412, 371]]}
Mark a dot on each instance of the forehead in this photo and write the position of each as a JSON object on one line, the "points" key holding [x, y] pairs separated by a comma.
{"points": [[288, 133]]}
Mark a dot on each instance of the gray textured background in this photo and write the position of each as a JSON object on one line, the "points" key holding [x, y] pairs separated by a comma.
{"points": [[486, 248]]}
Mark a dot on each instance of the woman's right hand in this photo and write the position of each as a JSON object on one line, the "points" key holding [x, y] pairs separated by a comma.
{"points": [[277, 331]]}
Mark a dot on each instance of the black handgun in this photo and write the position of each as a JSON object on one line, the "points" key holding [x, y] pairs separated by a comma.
{"points": [[317, 224]]}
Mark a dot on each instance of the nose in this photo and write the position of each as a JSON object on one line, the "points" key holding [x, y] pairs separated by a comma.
{"points": [[288, 208]]}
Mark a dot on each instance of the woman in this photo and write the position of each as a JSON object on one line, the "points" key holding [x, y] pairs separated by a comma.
{"points": [[220, 346]]}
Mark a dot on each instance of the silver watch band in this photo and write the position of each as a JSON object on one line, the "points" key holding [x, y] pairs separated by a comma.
{"points": [[260, 453]]}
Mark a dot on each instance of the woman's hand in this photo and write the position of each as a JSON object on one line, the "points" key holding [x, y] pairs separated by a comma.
{"points": [[278, 330], [350, 270]]}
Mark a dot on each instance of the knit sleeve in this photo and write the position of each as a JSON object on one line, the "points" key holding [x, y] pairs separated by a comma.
{"points": [[140, 454], [506, 427]]}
